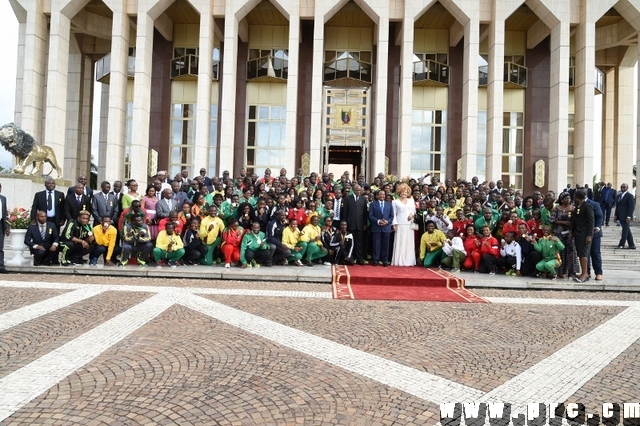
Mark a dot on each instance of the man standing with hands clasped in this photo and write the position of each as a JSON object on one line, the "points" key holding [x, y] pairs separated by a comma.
{"points": [[582, 227], [380, 218], [624, 213]]}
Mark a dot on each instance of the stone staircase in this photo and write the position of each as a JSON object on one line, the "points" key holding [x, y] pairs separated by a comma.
{"points": [[619, 259]]}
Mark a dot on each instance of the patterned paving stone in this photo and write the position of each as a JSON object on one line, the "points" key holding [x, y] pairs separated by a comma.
{"points": [[14, 298], [559, 294], [26, 342], [186, 368], [481, 346]]}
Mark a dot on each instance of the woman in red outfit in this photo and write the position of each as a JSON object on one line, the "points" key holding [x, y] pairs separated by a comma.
{"points": [[298, 212], [231, 239], [490, 250], [472, 247], [512, 224], [535, 223]]}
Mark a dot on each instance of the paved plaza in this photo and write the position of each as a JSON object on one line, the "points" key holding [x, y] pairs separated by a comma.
{"points": [[96, 350]]}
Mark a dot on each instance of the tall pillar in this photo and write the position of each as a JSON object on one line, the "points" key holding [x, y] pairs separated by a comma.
{"points": [[73, 112], [558, 105], [205, 76], [406, 96], [229, 82], [382, 74], [608, 125], [584, 102], [57, 85], [116, 100], [86, 116], [289, 161], [103, 159], [34, 64], [470, 98], [22, 28], [623, 145], [142, 97], [495, 99], [317, 140]]}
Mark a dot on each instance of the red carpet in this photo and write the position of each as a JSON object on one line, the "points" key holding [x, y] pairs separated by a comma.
{"points": [[400, 283]]}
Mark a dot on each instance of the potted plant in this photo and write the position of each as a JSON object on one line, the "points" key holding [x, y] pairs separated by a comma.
{"points": [[19, 220]]}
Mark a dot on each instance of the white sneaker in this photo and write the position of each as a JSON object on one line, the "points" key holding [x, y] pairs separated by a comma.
{"points": [[227, 265], [327, 264], [299, 263]]}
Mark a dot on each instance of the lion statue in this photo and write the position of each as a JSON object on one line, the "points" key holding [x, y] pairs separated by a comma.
{"points": [[27, 152]]}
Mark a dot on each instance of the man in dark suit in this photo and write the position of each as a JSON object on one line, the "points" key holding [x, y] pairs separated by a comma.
{"points": [[625, 204], [82, 179], [595, 256], [607, 200], [50, 201], [354, 212], [5, 230], [104, 204], [42, 239], [76, 202], [380, 219]]}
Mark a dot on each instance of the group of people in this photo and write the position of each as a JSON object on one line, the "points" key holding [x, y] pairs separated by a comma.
{"points": [[250, 221]]}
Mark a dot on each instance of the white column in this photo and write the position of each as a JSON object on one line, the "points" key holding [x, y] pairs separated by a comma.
{"points": [[316, 138], [406, 99], [33, 75], [17, 111], [229, 82], [470, 98], [382, 71], [584, 103], [103, 159], [205, 75], [624, 144], [558, 106], [495, 100], [292, 93], [116, 100], [57, 84], [608, 125], [73, 113], [142, 98]]}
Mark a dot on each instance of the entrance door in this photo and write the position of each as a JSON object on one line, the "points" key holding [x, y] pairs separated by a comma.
{"points": [[341, 158]]}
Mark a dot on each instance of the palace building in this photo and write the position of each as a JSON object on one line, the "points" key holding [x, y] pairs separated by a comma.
{"points": [[499, 89]]}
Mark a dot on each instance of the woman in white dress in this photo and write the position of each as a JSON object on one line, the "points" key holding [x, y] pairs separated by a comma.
{"points": [[404, 243]]}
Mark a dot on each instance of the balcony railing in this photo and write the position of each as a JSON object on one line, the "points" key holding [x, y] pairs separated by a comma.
{"points": [[103, 68], [430, 72], [515, 75], [268, 68], [348, 69]]}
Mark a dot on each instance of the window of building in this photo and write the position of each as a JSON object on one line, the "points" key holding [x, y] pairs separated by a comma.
{"points": [[127, 141], [183, 136], [512, 149], [481, 156], [213, 141], [428, 142], [570, 150], [266, 126], [183, 51]]}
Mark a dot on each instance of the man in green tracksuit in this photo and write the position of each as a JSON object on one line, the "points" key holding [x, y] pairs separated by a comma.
{"points": [[255, 249], [549, 247]]}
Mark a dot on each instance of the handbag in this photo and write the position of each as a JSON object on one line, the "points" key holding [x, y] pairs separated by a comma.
{"points": [[414, 226]]}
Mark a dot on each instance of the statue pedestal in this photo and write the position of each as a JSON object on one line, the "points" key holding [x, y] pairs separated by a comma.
{"points": [[20, 189]]}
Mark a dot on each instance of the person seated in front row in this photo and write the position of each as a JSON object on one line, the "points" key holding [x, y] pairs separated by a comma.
{"points": [[549, 247], [231, 240], [194, 248], [105, 235], [136, 242], [76, 240], [255, 249], [211, 228], [42, 240], [510, 254], [292, 238], [312, 235], [431, 244], [169, 246], [343, 244], [453, 250]]}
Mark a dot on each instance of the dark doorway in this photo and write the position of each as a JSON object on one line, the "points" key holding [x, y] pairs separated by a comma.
{"points": [[341, 158]]}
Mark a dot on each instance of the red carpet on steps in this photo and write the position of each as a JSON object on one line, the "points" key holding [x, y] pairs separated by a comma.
{"points": [[399, 283]]}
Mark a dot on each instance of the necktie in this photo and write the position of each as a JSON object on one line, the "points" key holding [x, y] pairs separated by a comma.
{"points": [[49, 201], [106, 197], [79, 200], [382, 205], [43, 231]]}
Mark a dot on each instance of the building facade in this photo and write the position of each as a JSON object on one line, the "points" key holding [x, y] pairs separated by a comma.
{"points": [[499, 89]]}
